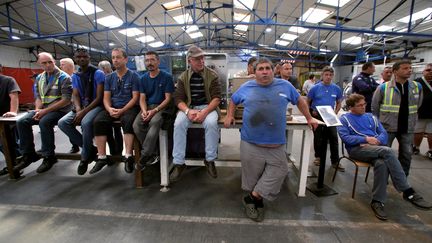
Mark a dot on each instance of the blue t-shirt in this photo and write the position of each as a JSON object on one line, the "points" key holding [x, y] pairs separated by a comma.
{"points": [[77, 83], [121, 89], [264, 115], [322, 94], [155, 88]]}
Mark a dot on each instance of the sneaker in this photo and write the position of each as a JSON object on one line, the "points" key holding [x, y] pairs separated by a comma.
{"points": [[82, 167], [250, 209], [176, 173], [4, 171], [129, 164], [317, 161], [429, 154], [378, 208], [154, 159], [415, 150], [47, 163], [100, 163], [26, 160], [211, 169], [75, 149], [338, 167], [418, 201], [141, 165]]}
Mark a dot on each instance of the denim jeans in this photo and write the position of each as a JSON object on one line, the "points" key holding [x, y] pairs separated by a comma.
{"points": [[181, 126], [85, 141], [46, 125], [385, 162], [148, 132], [405, 150]]}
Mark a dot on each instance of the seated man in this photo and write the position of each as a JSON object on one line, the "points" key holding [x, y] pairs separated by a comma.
{"points": [[366, 140]]}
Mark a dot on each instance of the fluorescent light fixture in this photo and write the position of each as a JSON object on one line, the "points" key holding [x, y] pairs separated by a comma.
{"points": [[176, 43], [334, 3], [324, 50], [281, 42], [183, 18], [15, 37], [110, 21], [299, 30], [268, 29], [131, 32], [384, 28], [80, 7], [403, 30], [190, 28], [111, 44], [156, 44], [242, 17], [354, 40], [244, 4], [214, 19], [287, 36], [241, 27], [145, 39], [173, 5], [315, 15], [419, 15], [323, 41], [195, 35]]}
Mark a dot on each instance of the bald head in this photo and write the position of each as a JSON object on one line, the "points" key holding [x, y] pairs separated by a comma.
{"points": [[46, 62]]}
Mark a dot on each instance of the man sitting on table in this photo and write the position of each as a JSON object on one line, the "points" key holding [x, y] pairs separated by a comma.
{"points": [[366, 140], [262, 150]]}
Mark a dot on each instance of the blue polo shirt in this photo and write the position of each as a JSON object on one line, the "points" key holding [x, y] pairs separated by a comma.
{"points": [[78, 83], [155, 88], [322, 94], [264, 115], [121, 89]]}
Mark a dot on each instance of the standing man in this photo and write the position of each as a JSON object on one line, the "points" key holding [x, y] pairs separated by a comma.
{"points": [[263, 157], [424, 124], [156, 87], [308, 84], [120, 100], [249, 73], [9, 91], [396, 103], [88, 85], [365, 84], [386, 75], [365, 140], [286, 71], [197, 97], [326, 93], [53, 92]]}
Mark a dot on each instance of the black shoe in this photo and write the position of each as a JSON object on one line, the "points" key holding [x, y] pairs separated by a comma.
{"points": [[250, 209], [211, 169], [100, 163], [4, 171], [378, 208], [26, 160], [47, 163], [153, 160], [415, 150], [141, 165], [75, 149], [176, 173], [129, 164], [82, 167], [418, 201]]}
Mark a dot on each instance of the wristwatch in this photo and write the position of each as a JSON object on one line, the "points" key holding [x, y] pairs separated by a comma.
{"points": [[186, 111]]}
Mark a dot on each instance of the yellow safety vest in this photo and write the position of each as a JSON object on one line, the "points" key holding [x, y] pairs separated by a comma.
{"points": [[53, 93], [389, 106]]}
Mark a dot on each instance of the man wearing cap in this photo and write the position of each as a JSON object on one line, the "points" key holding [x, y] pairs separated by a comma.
{"points": [[197, 97]]}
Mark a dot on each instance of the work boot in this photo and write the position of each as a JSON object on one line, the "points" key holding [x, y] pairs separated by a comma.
{"points": [[176, 173], [211, 169], [26, 160], [47, 163]]}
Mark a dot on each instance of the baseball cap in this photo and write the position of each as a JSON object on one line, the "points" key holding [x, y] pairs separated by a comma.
{"points": [[195, 51]]}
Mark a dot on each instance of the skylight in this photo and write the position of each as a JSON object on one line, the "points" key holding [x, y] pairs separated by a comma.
{"points": [[334, 3], [190, 28], [195, 35], [242, 17], [131, 32], [315, 15], [287, 36], [173, 5], [299, 30], [156, 44], [241, 27], [384, 28], [183, 19], [244, 4], [416, 16], [145, 39], [80, 7], [281, 42], [110, 21], [354, 40]]}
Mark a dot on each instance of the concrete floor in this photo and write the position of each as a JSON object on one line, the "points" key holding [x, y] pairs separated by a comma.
{"points": [[60, 206]]}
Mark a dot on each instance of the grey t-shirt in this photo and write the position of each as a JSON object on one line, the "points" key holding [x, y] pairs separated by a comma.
{"points": [[7, 85]]}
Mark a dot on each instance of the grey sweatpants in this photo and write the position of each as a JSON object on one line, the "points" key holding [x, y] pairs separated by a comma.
{"points": [[263, 169]]}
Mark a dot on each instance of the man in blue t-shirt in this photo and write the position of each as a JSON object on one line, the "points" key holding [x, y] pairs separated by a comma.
{"points": [[326, 93], [88, 86], [262, 150], [156, 87], [121, 94]]}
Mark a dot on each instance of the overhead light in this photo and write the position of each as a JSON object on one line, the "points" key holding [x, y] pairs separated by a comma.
{"points": [[281, 42], [268, 29], [172, 5], [415, 16], [290, 37], [242, 17], [190, 28], [214, 19], [324, 50], [299, 30], [244, 4], [403, 30], [176, 43], [323, 41], [131, 32], [195, 35], [354, 40], [15, 37], [315, 15], [183, 18], [156, 44], [145, 39], [110, 21], [241, 27], [111, 44], [384, 28], [334, 3], [80, 7]]}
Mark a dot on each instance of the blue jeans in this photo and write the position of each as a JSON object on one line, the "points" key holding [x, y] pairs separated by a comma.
{"points": [[405, 150], [85, 141], [385, 163], [181, 126], [46, 125]]}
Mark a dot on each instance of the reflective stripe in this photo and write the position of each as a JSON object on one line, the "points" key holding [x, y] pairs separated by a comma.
{"points": [[388, 100], [412, 109], [47, 99]]}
